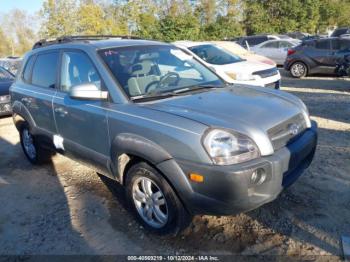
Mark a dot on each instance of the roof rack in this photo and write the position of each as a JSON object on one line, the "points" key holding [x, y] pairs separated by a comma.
{"points": [[72, 38]]}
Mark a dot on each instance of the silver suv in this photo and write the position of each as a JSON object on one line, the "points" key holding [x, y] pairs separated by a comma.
{"points": [[177, 137]]}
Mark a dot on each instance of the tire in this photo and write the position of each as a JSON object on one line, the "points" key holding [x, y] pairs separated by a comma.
{"points": [[31, 148], [146, 187], [298, 70]]}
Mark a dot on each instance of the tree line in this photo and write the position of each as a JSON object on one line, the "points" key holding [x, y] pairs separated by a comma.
{"points": [[169, 20]]}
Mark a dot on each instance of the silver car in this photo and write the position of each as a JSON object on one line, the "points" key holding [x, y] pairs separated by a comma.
{"points": [[154, 119], [276, 50]]}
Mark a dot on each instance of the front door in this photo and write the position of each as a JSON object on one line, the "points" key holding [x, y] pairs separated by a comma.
{"points": [[81, 124]]}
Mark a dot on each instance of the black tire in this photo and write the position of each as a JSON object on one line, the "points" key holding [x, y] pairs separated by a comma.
{"points": [[298, 70], [177, 216], [41, 155]]}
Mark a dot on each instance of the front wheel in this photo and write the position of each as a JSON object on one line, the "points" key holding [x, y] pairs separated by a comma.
{"points": [[298, 70], [154, 202]]}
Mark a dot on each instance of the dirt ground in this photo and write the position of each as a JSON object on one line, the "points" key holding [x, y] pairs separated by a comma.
{"points": [[65, 208]]}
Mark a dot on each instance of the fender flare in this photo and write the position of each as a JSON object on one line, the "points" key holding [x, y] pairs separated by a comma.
{"points": [[127, 144]]}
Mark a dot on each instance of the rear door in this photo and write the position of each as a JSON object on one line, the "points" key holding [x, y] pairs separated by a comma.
{"points": [[81, 124], [40, 78], [322, 54]]}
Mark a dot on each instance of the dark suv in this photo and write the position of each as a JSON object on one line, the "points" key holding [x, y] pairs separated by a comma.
{"points": [[316, 56]]}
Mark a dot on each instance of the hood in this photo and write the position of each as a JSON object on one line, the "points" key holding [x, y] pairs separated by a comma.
{"points": [[240, 108], [245, 67], [4, 87]]}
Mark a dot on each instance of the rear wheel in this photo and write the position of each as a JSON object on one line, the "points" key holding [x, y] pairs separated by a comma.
{"points": [[154, 202], [298, 70], [31, 148]]}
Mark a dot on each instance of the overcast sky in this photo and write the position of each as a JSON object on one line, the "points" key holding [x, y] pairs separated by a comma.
{"points": [[30, 6]]}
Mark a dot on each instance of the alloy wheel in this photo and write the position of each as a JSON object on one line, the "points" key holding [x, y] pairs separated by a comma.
{"points": [[28, 143], [150, 202]]}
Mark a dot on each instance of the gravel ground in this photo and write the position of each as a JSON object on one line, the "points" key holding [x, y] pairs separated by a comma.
{"points": [[65, 208]]}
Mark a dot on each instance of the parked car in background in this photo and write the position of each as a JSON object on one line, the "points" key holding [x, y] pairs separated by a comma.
{"points": [[276, 50], [6, 80], [238, 50], [340, 31], [230, 67], [253, 40], [316, 56], [298, 35], [180, 142], [11, 64]]}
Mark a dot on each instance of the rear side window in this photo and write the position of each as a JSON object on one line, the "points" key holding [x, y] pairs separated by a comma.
{"points": [[270, 45], [28, 70], [44, 70], [323, 44]]}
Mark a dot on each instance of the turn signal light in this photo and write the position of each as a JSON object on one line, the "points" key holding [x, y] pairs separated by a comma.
{"points": [[196, 177]]}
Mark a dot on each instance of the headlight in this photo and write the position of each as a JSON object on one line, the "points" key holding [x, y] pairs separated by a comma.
{"points": [[241, 76], [226, 148]]}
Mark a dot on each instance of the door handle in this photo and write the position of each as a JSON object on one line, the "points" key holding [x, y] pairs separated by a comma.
{"points": [[61, 111]]}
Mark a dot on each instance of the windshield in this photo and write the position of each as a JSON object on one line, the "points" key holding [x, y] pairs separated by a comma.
{"points": [[5, 76], [215, 55], [157, 69]]}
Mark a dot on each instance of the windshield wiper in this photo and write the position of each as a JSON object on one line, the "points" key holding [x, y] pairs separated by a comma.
{"points": [[195, 88], [153, 96], [176, 92]]}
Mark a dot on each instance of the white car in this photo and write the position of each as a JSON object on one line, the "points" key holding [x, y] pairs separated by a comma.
{"points": [[275, 49], [230, 67]]}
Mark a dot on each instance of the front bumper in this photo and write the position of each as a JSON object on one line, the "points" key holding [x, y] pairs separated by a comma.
{"points": [[228, 189]]}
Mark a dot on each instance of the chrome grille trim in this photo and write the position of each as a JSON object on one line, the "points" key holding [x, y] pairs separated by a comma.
{"points": [[285, 132], [266, 73]]}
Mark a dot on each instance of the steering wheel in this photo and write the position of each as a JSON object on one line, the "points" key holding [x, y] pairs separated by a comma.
{"points": [[160, 84]]}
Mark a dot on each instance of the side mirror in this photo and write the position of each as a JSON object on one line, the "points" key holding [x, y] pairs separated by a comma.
{"points": [[87, 91]]}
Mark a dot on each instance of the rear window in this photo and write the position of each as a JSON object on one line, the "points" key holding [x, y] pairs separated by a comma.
{"points": [[323, 44], [339, 32], [28, 69], [270, 45], [45, 69]]}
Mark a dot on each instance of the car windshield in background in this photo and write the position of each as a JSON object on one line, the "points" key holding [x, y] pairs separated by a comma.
{"points": [[5, 76], [215, 55], [150, 70]]}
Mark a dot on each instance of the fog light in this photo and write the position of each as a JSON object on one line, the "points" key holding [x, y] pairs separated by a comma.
{"points": [[258, 177]]}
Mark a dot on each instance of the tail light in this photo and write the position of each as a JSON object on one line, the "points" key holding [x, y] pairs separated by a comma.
{"points": [[290, 52]]}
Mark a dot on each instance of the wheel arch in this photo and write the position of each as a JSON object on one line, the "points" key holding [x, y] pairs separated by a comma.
{"points": [[20, 114], [129, 148]]}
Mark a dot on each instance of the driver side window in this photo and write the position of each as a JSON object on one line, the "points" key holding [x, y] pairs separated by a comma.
{"points": [[77, 69]]}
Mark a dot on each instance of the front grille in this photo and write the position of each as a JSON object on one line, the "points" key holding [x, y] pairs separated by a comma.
{"points": [[284, 133], [266, 73]]}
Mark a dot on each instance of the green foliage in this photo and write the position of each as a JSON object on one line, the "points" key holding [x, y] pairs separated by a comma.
{"points": [[170, 20]]}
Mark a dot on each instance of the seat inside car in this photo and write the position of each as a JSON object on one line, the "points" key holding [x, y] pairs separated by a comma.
{"points": [[142, 74]]}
